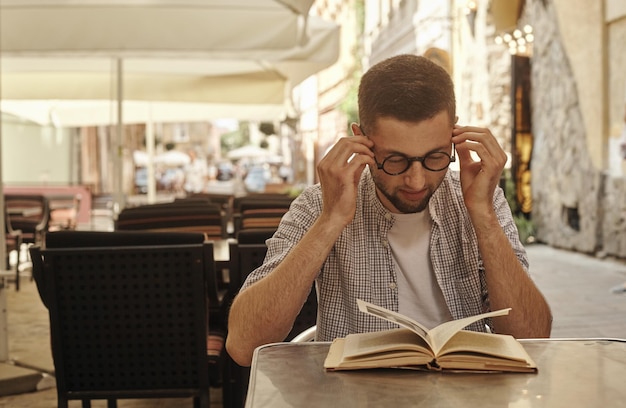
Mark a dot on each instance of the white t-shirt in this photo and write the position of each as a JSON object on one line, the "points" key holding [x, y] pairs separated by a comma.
{"points": [[420, 296]]}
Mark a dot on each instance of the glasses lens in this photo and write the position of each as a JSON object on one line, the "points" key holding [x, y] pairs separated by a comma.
{"points": [[436, 161], [395, 164]]}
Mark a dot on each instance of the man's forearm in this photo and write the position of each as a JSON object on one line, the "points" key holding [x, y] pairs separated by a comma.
{"points": [[510, 286], [264, 312]]}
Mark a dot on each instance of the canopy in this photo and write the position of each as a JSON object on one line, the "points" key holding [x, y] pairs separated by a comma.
{"points": [[248, 151], [180, 60]]}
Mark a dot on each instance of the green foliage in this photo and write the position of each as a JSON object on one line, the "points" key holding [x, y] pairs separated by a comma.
{"points": [[349, 105], [525, 226], [236, 138]]}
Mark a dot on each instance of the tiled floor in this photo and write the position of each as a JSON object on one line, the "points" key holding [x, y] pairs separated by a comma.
{"points": [[582, 291]]}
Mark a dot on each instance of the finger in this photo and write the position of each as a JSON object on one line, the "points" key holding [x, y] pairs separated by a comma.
{"points": [[347, 155], [348, 145], [470, 151], [476, 134], [342, 163], [479, 136]]}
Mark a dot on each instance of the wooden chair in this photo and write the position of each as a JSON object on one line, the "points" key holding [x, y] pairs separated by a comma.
{"points": [[64, 211], [128, 314], [181, 216], [258, 211], [256, 198], [30, 213]]}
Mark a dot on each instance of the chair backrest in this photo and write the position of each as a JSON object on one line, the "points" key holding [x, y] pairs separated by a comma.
{"points": [[255, 235], [256, 201], [188, 216], [64, 211], [261, 218], [85, 239], [306, 335], [224, 201], [247, 254], [259, 211], [248, 257], [127, 319], [256, 204]]}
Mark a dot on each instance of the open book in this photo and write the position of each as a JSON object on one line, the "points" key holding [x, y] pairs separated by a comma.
{"points": [[445, 347]]}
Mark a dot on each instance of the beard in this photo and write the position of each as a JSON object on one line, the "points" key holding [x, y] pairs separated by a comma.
{"points": [[403, 206]]}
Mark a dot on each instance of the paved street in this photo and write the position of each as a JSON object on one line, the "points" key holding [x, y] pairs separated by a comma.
{"points": [[581, 290]]}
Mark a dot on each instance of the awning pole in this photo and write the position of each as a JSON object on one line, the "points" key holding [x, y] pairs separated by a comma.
{"points": [[150, 139], [119, 151]]}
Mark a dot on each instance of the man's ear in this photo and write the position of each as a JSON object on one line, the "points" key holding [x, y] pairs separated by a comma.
{"points": [[456, 120], [356, 129]]}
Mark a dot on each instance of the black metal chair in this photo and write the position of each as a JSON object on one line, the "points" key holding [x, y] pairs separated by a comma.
{"points": [[128, 314], [247, 254]]}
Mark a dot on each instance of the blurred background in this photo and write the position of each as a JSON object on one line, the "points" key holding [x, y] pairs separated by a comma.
{"points": [[143, 101]]}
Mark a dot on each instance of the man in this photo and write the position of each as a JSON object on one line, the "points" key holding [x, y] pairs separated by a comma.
{"points": [[196, 173], [389, 224]]}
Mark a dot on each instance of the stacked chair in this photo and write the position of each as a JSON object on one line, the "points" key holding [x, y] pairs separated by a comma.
{"points": [[129, 313], [190, 215], [259, 211], [194, 214], [225, 201]]}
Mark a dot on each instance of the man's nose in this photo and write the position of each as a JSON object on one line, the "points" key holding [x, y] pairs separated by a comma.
{"points": [[415, 176]]}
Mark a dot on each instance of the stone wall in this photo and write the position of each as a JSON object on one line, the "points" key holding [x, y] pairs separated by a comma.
{"points": [[482, 75], [614, 225], [575, 205]]}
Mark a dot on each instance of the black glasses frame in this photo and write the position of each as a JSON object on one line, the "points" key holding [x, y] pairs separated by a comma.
{"points": [[410, 160]]}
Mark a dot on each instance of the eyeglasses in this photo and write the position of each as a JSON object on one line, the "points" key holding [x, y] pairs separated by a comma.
{"points": [[397, 163]]}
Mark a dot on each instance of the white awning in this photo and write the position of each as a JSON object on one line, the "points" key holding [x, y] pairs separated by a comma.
{"points": [[182, 60]]}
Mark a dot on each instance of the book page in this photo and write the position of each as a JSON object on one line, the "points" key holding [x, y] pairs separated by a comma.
{"points": [[337, 359], [394, 317], [374, 344], [488, 344], [440, 335]]}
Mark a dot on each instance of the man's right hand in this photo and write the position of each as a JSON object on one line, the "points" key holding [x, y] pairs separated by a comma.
{"points": [[339, 172]]}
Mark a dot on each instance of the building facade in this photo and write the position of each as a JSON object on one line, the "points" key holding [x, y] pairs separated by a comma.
{"points": [[546, 77]]}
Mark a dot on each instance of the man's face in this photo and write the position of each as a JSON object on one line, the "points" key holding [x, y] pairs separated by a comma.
{"points": [[409, 192]]}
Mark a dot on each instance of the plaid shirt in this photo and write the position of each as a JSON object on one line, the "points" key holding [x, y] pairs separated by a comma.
{"points": [[360, 264]]}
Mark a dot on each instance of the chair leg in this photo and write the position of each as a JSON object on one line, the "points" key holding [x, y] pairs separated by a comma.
{"points": [[17, 278], [17, 271], [111, 403], [61, 401], [86, 403], [202, 401]]}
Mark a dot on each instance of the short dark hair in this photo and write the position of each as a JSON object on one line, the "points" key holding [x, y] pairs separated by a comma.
{"points": [[406, 87]]}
